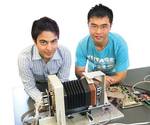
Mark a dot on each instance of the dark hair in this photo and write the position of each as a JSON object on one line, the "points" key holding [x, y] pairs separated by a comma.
{"points": [[44, 24], [100, 11]]}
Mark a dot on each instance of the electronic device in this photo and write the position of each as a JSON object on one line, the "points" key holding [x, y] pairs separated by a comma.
{"points": [[123, 96], [71, 98]]}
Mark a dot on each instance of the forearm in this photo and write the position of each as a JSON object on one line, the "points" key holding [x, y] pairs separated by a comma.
{"points": [[27, 78], [33, 92], [30, 87], [79, 71], [79, 75]]}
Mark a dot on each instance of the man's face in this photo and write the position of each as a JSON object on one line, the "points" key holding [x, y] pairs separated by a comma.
{"points": [[47, 43], [99, 28]]}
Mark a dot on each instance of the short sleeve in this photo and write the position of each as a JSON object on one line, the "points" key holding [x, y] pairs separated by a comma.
{"points": [[122, 58], [81, 55]]}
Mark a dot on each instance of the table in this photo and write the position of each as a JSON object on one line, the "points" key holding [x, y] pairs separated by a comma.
{"points": [[23, 103]]}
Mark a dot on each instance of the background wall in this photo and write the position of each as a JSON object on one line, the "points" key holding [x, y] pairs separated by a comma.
{"points": [[131, 20]]}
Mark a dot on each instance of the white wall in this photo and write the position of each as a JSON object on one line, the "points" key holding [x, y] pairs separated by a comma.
{"points": [[131, 20]]}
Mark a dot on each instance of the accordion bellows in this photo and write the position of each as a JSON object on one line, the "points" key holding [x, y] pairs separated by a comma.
{"points": [[79, 95]]}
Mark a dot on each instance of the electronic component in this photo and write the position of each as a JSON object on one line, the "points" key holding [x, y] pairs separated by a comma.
{"points": [[76, 96], [124, 97], [71, 98]]}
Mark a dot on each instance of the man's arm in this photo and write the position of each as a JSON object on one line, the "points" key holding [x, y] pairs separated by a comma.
{"points": [[79, 71], [121, 62], [109, 79], [115, 78], [28, 79]]}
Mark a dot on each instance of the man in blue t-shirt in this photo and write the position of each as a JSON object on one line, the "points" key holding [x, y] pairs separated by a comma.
{"points": [[102, 50]]}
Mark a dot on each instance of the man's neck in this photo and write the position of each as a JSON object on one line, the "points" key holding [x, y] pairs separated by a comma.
{"points": [[101, 45]]}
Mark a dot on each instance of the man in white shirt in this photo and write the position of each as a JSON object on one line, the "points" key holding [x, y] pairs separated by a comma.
{"points": [[43, 58]]}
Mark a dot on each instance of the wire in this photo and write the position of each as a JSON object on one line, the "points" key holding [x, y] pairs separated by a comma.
{"points": [[126, 85], [138, 123], [146, 77], [137, 83]]}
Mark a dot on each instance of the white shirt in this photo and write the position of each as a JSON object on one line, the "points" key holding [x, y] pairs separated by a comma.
{"points": [[32, 68]]}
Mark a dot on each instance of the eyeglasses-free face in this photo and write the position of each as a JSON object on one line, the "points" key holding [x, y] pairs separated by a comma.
{"points": [[47, 43]]}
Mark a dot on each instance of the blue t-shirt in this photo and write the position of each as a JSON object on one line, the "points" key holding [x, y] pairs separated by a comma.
{"points": [[113, 58]]}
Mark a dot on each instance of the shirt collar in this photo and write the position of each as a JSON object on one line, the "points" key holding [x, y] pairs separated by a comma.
{"points": [[36, 55]]}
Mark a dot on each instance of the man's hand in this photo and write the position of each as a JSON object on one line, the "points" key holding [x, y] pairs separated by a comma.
{"points": [[115, 78], [110, 80], [79, 71], [39, 105]]}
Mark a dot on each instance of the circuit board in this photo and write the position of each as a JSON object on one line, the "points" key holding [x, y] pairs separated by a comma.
{"points": [[123, 96]]}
